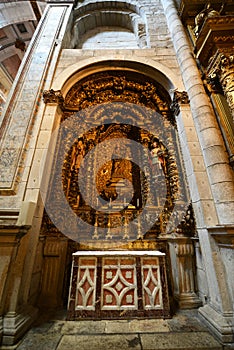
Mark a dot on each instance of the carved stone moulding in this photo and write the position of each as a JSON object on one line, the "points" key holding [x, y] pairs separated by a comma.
{"points": [[223, 235]]}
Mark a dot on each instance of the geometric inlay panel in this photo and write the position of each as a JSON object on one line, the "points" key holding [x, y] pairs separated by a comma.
{"points": [[86, 284], [119, 284], [151, 283]]}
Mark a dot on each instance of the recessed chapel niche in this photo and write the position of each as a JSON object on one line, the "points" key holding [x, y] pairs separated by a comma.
{"points": [[95, 24], [140, 192]]}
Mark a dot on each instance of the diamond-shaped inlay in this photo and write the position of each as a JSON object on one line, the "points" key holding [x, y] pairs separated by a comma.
{"points": [[85, 297], [152, 296], [119, 281], [119, 286]]}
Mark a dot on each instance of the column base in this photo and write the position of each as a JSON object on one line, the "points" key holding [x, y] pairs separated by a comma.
{"points": [[15, 325], [1, 328], [221, 325], [188, 301]]}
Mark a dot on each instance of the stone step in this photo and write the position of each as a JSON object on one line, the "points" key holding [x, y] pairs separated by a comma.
{"points": [[182, 332], [163, 341]]}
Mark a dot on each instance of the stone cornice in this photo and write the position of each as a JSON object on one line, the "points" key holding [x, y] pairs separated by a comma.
{"points": [[223, 235], [10, 235]]}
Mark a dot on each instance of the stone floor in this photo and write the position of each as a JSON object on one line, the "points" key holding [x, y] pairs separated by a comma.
{"points": [[184, 331]]}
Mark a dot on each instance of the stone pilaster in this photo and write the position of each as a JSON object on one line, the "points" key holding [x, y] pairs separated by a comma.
{"points": [[10, 238], [22, 119], [25, 97], [220, 320], [55, 249], [9, 242], [1, 328], [183, 270]]}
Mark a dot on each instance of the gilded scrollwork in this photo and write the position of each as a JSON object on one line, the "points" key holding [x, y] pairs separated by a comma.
{"points": [[222, 73], [112, 86]]}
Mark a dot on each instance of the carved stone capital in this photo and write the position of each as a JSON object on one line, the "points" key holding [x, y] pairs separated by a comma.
{"points": [[222, 65], [226, 66], [226, 61], [52, 96], [183, 247], [180, 97]]}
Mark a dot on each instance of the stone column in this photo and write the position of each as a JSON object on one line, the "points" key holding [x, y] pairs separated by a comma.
{"points": [[183, 270], [205, 122], [220, 304]]}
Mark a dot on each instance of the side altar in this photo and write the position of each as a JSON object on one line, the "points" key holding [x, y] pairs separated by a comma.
{"points": [[119, 194]]}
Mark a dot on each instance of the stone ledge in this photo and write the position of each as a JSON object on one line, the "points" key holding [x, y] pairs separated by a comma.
{"points": [[223, 235]]}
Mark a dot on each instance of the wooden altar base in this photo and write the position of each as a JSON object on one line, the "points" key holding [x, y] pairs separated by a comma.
{"points": [[118, 285]]}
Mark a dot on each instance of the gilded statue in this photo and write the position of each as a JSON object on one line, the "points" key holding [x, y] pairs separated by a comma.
{"points": [[200, 18], [158, 160]]}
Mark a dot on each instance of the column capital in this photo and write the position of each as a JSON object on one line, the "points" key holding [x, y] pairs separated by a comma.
{"points": [[183, 246], [53, 97], [180, 97]]}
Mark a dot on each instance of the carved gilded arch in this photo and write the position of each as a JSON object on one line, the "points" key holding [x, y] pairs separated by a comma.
{"points": [[128, 105], [119, 86]]}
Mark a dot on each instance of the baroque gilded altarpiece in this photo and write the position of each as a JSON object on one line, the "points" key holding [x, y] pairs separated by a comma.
{"points": [[119, 105]]}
